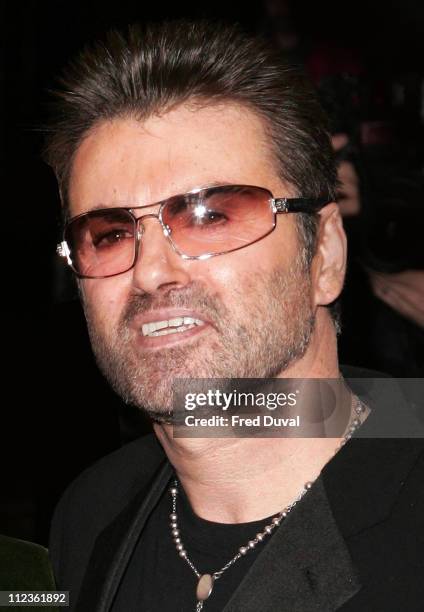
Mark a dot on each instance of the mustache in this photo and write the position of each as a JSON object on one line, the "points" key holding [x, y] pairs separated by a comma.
{"points": [[193, 297]]}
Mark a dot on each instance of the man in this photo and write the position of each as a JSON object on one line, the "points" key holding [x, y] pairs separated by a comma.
{"points": [[187, 271]]}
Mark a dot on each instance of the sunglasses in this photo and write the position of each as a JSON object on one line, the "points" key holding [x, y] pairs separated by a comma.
{"points": [[199, 224]]}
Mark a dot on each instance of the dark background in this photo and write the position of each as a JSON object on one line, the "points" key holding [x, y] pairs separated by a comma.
{"points": [[58, 416]]}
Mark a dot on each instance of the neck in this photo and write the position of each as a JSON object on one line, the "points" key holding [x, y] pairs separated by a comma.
{"points": [[224, 486], [234, 480]]}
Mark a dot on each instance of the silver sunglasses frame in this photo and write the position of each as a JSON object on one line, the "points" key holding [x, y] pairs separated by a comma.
{"points": [[278, 205]]}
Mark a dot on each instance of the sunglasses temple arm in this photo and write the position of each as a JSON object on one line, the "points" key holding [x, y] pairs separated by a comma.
{"points": [[306, 205]]}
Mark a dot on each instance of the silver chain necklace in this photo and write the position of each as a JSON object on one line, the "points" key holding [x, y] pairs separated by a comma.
{"points": [[206, 582]]}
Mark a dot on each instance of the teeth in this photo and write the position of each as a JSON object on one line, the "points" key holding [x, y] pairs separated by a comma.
{"points": [[195, 321], [171, 330], [165, 332], [159, 325], [176, 322], [171, 326]]}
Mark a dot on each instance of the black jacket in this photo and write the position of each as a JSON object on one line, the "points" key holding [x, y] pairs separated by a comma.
{"points": [[355, 542]]}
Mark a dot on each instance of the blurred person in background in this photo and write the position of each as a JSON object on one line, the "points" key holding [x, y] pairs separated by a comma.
{"points": [[384, 327], [393, 258]]}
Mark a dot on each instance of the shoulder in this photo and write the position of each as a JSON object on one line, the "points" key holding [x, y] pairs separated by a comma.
{"points": [[105, 486], [95, 498], [124, 470]]}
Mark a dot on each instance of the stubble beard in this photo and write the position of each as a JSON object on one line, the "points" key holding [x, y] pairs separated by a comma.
{"points": [[273, 333]]}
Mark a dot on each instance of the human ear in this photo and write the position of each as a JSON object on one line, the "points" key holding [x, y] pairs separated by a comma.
{"points": [[329, 263]]}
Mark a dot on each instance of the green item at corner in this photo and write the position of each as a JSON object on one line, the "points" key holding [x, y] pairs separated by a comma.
{"points": [[25, 566]]}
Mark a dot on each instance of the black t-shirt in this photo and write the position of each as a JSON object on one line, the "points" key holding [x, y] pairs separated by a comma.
{"points": [[157, 579]]}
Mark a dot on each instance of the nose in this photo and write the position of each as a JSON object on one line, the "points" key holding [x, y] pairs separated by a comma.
{"points": [[158, 266]]}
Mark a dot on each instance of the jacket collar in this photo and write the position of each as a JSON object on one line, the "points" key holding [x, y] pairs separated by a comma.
{"points": [[364, 479], [115, 545], [305, 567]]}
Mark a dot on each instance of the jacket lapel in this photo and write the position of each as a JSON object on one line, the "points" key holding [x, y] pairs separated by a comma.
{"points": [[305, 567], [365, 479], [115, 545]]}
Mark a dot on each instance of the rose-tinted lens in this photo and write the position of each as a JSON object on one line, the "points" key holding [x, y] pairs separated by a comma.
{"points": [[102, 242], [219, 219]]}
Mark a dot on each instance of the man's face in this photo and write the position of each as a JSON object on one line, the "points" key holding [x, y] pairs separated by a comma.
{"points": [[255, 304]]}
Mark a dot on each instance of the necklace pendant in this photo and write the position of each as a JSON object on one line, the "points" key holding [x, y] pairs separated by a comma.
{"points": [[204, 587]]}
